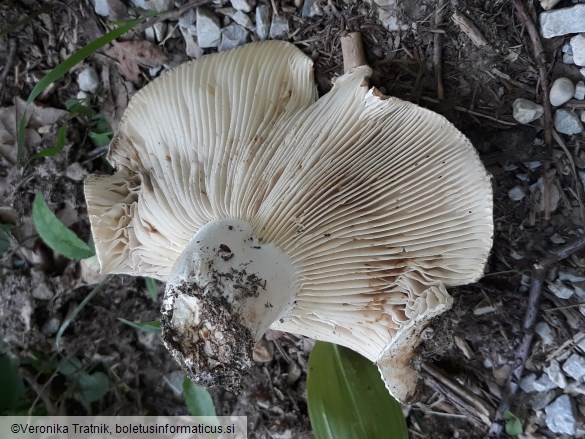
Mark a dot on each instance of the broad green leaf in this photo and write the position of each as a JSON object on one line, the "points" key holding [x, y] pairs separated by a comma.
{"points": [[70, 366], [59, 144], [153, 326], [100, 139], [77, 107], [63, 68], [10, 383], [197, 399], [93, 387], [513, 424], [55, 234], [5, 237], [347, 397], [151, 288]]}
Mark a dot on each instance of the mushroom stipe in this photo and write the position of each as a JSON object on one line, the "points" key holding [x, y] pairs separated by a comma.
{"points": [[343, 218]]}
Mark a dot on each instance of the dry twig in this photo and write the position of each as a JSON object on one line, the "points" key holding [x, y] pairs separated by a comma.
{"points": [[437, 52], [539, 59], [534, 296], [7, 65], [469, 28], [352, 48]]}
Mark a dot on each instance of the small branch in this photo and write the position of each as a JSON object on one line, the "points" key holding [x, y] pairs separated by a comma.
{"points": [[469, 28], [540, 61], [7, 65], [437, 54], [352, 49], [523, 351]]}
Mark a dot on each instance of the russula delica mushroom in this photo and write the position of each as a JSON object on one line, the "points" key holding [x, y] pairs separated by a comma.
{"points": [[342, 218]]}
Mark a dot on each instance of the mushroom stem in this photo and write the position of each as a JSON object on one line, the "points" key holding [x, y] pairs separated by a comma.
{"points": [[352, 49], [224, 291]]}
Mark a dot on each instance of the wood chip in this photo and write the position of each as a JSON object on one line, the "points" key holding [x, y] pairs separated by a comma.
{"points": [[469, 28]]}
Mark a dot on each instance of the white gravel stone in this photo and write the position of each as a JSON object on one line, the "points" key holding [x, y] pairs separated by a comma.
{"points": [[243, 20], [542, 399], [208, 29], [262, 22], [567, 122], [545, 332], [279, 26], [567, 49], [579, 340], [311, 8], [580, 91], [544, 384], [575, 367], [563, 21], [527, 383], [88, 80], [525, 111], [243, 5], [571, 275], [568, 59], [578, 48], [101, 7], [561, 91], [548, 4], [582, 71], [553, 370], [560, 290], [233, 36], [560, 416], [516, 193], [583, 116]]}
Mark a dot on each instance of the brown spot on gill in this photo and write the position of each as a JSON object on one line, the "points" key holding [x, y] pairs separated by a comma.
{"points": [[150, 227], [379, 94]]}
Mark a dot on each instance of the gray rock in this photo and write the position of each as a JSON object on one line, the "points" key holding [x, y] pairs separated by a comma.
{"points": [[575, 367], [560, 416], [579, 340], [553, 370], [567, 122], [279, 26], [578, 48], [262, 22], [233, 36], [208, 29], [101, 7], [571, 275], [561, 91], [544, 384], [88, 80], [243, 20], [548, 4], [525, 111], [51, 326], [563, 21], [244, 5], [568, 59], [542, 399], [311, 8], [544, 330], [559, 289], [516, 193], [567, 49], [527, 383], [580, 91], [187, 22]]}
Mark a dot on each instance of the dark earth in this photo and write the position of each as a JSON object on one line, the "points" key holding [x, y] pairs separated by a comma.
{"points": [[471, 347]]}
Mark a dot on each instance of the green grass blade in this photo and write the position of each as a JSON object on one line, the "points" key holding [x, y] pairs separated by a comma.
{"points": [[59, 144], [152, 326], [55, 234], [63, 68], [71, 316], [151, 288], [347, 398]]}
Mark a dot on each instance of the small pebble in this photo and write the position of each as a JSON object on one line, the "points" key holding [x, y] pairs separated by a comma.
{"points": [[263, 351], [579, 340], [233, 36], [578, 48], [575, 367], [571, 275], [525, 111], [545, 332], [243, 5], [568, 59], [567, 122], [88, 80], [557, 239], [544, 384], [560, 290], [101, 7], [582, 71], [243, 20], [527, 383], [548, 4], [294, 373], [561, 91], [311, 8], [560, 416], [580, 91], [542, 399], [562, 21], [208, 28], [279, 26], [262, 22], [553, 370], [51, 326], [516, 193], [501, 374]]}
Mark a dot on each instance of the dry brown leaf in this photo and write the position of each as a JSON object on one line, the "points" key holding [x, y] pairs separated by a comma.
{"points": [[133, 54]]}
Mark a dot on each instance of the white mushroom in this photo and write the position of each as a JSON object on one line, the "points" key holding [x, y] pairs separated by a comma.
{"points": [[342, 219]]}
